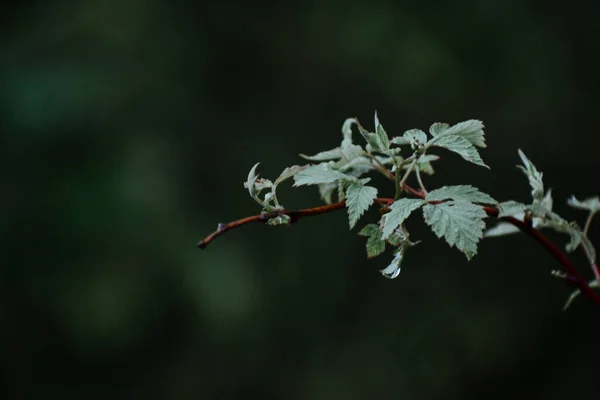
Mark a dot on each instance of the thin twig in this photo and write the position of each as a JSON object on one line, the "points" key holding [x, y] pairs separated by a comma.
{"points": [[421, 185], [408, 171], [382, 168], [397, 181], [294, 215], [588, 255]]}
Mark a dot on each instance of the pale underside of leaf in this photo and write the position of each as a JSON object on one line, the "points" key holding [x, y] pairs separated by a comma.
{"points": [[288, 173], [347, 131], [333, 154], [393, 269], [317, 174], [590, 204]]}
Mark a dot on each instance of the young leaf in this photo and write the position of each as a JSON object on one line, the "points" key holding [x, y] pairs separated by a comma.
{"points": [[399, 211], [381, 133], [347, 131], [591, 204], [374, 140], [316, 174], [279, 220], [472, 130], [393, 270], [399, 140], [375, 245], [288, 173], [534, 176], [249, 184], [437, 128], [459, 145], [460, 192], [358, 199], [338, 152], [416, 137], [460, 223], [260, 184]]}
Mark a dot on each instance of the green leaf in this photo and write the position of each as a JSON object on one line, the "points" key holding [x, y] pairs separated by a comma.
{"points": [[288, 173], [369, 230], [393, 270], [460, 223], [317, 174], [333, 154], [400, 210], [511, 208], [534, 176], [591, 204], [437, 128], [416, 137], [374, 140], [460, 192], [459, 145], [358, 199], [472, 130], [351, 152], [375, 245]]}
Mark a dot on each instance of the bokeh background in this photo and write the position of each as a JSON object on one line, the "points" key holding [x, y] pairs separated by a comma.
{"points": [[126, 131]]}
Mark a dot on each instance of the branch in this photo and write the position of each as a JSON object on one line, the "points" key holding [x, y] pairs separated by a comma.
{"points": [[525, 227], [553, 250], [294, 215]]}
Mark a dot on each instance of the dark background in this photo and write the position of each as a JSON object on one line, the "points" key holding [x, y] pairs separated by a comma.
{"points": [[126, 131]]}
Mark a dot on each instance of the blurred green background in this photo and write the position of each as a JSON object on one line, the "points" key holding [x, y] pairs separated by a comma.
{"points": [[128, 127]]}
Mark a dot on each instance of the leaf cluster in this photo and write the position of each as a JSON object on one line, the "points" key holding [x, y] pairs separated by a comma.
{"points": [[455, 213]]}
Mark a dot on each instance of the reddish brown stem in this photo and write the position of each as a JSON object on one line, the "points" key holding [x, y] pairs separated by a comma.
{"points": [[554, 251], [525, 227], [294, 215]]}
